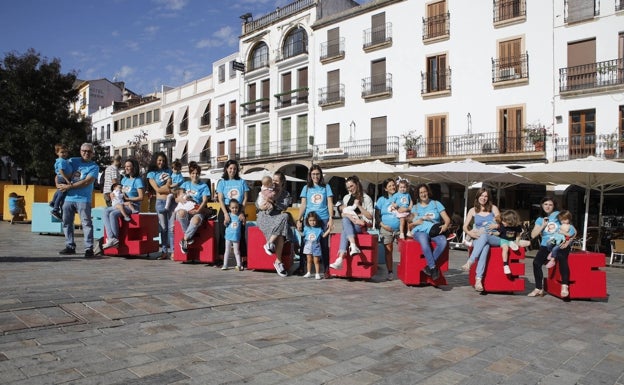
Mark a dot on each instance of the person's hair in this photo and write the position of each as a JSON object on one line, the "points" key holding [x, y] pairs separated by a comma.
{"points": [[116, 158], [87, 144], [267, 181], [487, 207], [403, 182], [193, 166], [13, 194], [564, 214], [321, 182], [281, 176], [418, 187], [233, 201], [176, 164], [59, 146], [510, 217], [359, 190], [135, 167], [546, 199], [384, 184], [153, 166], [313, 214], [228, 164], [115, 185]]}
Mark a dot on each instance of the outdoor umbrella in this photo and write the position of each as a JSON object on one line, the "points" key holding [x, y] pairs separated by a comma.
{"points": [[258, 175], [466, 173], [589, 173]]}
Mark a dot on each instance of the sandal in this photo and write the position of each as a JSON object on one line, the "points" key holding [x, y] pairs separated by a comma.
{"points": [[536, 293]]}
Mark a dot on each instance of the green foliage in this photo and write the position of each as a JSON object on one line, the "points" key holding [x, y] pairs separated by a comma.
{"points": [[34, 112], [139, 148], [101, 155]]}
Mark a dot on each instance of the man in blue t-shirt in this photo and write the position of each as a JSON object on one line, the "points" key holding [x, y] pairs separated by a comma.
{"points": [[78, 200]]}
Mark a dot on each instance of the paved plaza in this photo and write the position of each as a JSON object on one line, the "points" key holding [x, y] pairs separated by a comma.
{"points": [[111, 320]]}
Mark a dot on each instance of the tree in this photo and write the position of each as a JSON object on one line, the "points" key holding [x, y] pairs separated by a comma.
{"points": [[140, 151], [34, 112]]}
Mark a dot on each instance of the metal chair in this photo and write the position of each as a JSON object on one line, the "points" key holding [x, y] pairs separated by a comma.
{"points": [[617, 250]]}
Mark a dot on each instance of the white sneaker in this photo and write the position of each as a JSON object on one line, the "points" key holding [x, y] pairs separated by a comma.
{"points": [[354, 250], [466, 266], [524, 243], [307, 275], [224, 267], [506, 269], [267, 249], [337, 265], [111, 242], [279, 268], [390, 277], [513, 245], [317, 276], [478, 285], [467, 243]]}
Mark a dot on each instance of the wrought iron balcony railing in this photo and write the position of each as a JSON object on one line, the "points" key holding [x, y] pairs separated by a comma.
{"points": [[293, 49], [332, 49], [255, 107], [231, 120], [436, 26], [593, 75], [582, 146], [377, 85], [363, 148], [619, 5], [508, 9], [510, 68], [331, 95], [295, 148], [276, 15], [292, 97], [377, 35], [220, 122], [435, 81]]}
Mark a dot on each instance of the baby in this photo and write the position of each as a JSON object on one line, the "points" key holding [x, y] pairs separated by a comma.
{"points": [[566, 232], [267, 193], [176, 180], [117, 201], [188, 204]]}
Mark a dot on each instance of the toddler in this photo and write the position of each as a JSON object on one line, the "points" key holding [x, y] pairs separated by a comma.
{"points": [[16, 205], [187, 204], [298, 243], [63, 171], [233, 236], [510, 230], [312, 234], [175, 182], [117, 201], [402, 205], [565, 233], [267, 193]]}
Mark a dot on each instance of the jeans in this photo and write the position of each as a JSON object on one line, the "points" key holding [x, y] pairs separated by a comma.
{"points": [[481, 249], [59, 198], [188, 227], [166, 220], [84, 210], [349, 229], [425, 246], [111, 221]]}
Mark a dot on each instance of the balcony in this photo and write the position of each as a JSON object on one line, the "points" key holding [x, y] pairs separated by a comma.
{"points": [[332, 95], [377, 86], [491, 146], [231, 120], [274, 151], [436, 27], [511, 69], [577, 146], [293, 49], [619, 5], [378, 37], [508, 10], [220, 122], [576, 11], [292, 97], [387, 148], [593, 77], [254, 107], [280, 13], [436, 82], [332, 50]]}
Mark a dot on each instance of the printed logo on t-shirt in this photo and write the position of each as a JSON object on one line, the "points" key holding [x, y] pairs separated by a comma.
{"points": [[311, 237], [234, 225], [316, 198], [403, 201], [233, 194], [125, 188], [163, 177], [551, 227], [76, 176]]}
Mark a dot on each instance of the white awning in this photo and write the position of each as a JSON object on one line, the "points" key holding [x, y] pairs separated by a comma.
{"points": [[199, 144], [179, 149], [165, 121], [177, 119], [202, 107]]}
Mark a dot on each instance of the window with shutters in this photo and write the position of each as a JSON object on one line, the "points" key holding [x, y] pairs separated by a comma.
{"points": [[379, 35], [184, 122], [507, 11], [265, 136], [302, 133], [333, 135], [251, 141], [436, 135], [512, 63], [437, 77], [510, 125], [580, 10], [232, 149], [285, 136], [436, 26], [334, 92], [334, 48], [296, 43], [380, 82], [221, 117], [379, 136], [205, 118], [259, 57], [582, 134], [169, 129], [231, 120]]}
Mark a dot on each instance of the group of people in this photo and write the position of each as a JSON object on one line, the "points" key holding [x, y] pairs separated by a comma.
{"points": [[396, 214]]}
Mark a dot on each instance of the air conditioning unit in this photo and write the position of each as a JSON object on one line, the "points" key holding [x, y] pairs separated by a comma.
{"points": [[507, 73]]}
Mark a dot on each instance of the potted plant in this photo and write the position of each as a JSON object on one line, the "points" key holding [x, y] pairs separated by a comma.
{"points": [[611, 142], [536, 134], [412, 142]]}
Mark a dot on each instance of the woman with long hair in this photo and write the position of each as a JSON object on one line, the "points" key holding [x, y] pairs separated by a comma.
{"points": [[159, 178], [197, 192], [231, 186], [389, 223]]}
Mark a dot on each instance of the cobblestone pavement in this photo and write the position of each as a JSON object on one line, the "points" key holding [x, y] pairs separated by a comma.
{"points": [[70, 320]]}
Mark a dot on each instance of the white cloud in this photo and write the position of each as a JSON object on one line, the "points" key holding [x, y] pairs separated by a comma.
{"points": [[223, 36], [125, 71], [174, 5], [151, 29]]}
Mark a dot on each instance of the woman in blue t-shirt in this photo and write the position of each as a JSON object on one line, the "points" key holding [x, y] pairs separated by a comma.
{"points": [[231, 186], [198, 192], [159, 178], [389, 223], [427, 209], [133, 189], [547, 225], [317, 196]]}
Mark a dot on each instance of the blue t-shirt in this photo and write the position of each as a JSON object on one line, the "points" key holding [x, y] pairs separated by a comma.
{"points": [[62, 164], [387, 217], [159, 176], [431, 212], [14, 207], [177, 178], [316, 200], [232, 189], [80, 170], [551, 229], [131, 186], [312, 238], [233, 229], [196, 191], [402, 200]]}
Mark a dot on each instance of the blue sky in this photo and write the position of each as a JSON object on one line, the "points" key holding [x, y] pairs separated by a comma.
{"points": [[146, 43]]}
